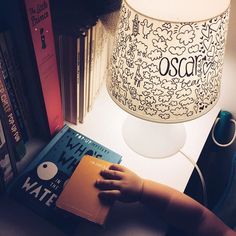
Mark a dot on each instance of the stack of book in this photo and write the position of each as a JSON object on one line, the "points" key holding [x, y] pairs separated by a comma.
{"points": [[82, 45], [30, 99]]}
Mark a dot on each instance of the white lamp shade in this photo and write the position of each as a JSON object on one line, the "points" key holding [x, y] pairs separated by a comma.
{"points": [[166, 66]]}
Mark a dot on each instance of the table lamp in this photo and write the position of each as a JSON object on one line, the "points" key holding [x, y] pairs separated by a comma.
{"points": [[166, 68]]}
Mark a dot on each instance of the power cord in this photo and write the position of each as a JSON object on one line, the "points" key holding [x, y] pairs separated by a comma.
{"points": [[213, 134], [203, 183]]}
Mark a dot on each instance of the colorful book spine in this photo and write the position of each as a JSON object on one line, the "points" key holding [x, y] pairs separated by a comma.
{"points": [[17, 81], [40, 24], [28, 77], [11, 120], [10, 77]]}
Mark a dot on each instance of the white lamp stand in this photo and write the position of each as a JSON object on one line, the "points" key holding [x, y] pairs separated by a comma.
{"points": [[153, 140]]}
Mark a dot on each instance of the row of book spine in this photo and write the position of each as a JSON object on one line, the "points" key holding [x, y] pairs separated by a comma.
{"points": [[83, 60], [30, 99], [39, 89]]}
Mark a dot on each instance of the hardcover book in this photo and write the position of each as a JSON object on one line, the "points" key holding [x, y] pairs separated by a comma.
{"points": [[40, 24], [80, 196], [17, 78], [68, 76], [41, 183]]}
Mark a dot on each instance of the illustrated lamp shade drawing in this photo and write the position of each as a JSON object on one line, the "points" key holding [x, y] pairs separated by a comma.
{"points": [[167, 60]]}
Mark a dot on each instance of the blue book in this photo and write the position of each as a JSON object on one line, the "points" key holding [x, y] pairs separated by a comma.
{"points": [[42, 181]]}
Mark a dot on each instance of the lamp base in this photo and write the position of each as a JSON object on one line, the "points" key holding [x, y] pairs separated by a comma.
{"points": [[153, 140]]}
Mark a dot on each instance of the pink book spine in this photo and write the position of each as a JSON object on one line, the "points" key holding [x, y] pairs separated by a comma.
{"points": [[40, 23]]}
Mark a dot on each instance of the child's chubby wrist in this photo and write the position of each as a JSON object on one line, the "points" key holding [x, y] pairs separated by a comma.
{"points": [[141, 190]]}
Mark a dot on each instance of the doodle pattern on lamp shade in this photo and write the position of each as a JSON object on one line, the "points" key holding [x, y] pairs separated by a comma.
{"points": [[167, 71]]}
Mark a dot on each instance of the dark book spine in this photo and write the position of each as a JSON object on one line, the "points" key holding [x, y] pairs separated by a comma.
{"points": [[10, 77], [82, 41], [61, 67], [11, 121], [2, 184], [19, 82], [6, 165], [6, 171], [68, 76]]}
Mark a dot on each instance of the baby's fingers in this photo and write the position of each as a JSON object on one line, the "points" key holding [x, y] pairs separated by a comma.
{"points": [[107, 184], [111, 174], [117, 167], [109, 195]]}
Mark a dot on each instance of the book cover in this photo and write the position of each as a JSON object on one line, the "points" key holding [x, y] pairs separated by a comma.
{"points": [[40, 24], [41, 183], [80, 196]]}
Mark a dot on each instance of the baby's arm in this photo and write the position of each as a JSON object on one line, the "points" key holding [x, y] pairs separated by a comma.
{"points": [[175, 207]]}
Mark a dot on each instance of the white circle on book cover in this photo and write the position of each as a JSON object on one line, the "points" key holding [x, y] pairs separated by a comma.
{"points": [[47, 170]]}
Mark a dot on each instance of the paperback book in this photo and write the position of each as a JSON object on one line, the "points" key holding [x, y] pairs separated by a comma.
{"points": [[80, 196], [43, 180]]}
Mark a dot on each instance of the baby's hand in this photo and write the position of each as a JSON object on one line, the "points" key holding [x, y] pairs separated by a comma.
{"points": [[119, 183]]}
